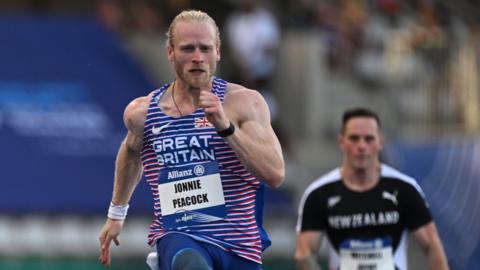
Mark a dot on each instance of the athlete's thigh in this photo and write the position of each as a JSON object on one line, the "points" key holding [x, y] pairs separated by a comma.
{"points": [[239, 263], [229, 260], [172, 244]]}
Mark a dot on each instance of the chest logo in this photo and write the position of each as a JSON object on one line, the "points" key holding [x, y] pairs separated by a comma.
{"points": [[157, 130], [202, 122], [390, 196], [332, 201]]}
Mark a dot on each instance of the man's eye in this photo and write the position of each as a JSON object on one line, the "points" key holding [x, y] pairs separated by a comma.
{"points": [[353, 138], [187, 49]]}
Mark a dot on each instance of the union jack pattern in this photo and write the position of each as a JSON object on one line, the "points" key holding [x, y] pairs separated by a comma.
{"points": [[202, 122]]}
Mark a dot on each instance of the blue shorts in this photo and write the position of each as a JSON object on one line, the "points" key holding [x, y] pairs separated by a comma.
{"points": [[171, 244]]}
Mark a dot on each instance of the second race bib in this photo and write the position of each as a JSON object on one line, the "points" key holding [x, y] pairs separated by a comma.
{"points": [[375, 254]]}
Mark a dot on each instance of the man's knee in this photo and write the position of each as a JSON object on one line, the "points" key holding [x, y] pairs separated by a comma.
{"points": [[189, 259]]}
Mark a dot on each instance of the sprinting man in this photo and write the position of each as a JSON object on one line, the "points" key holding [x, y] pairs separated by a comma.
{"points": [[206, 148]]}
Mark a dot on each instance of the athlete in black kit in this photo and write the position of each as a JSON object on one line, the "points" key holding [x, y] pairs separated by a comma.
{"points": [[365, 208]]}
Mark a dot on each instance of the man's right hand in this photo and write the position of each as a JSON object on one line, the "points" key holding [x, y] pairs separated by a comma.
{"points": [[110, 231]]}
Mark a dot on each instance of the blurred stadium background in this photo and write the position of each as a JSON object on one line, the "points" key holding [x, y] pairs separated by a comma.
{"points": [[69, 68]]}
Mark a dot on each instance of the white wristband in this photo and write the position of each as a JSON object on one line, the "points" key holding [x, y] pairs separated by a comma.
{"points": [[118, 212]]}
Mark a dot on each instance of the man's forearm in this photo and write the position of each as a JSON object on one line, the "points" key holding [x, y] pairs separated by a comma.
{"points": [[128, 171], [308, 263], [436, 258]]}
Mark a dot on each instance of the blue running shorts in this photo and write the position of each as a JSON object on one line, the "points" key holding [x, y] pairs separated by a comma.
{"points": [[170, 246]]}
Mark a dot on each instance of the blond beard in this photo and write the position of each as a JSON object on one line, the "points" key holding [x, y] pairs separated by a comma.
{"points": [[203, 81]]}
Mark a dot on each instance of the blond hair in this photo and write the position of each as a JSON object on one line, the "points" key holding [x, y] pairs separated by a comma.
{"points": [[193, 16]]}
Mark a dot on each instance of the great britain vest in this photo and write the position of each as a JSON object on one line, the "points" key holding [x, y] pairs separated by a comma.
{"points": [[199, 186]]}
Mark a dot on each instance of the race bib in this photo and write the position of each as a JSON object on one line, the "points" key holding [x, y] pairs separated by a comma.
{"points": [[191, 195], [375, 254]]}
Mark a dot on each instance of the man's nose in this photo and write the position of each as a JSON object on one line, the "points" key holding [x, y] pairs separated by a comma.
{"points": [[362, 143], [197, 56]]}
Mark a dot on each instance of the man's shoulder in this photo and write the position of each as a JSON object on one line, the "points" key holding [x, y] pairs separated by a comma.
{"points": [[239, 95], [237, 89], [321, 185], [399, 177], [136, 113], [390, 172], [138, 106], [326, 179]]}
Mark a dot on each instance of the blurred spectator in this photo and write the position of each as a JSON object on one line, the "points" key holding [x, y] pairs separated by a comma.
{"points": [[146, 38], [464, 74], [343, 23], [430, 37], [253, 37], [172, 7], [432, 43], [145, 17], [111, 14], [391, 8], [352, 17], [297, 14]]}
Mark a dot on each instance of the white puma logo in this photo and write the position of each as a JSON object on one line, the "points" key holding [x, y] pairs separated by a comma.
{"points": [[390, 196], [157, 130]]}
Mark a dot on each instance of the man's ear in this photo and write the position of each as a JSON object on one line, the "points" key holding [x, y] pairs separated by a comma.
{"points": [[382, 141], [340, 142], [170, 53]]}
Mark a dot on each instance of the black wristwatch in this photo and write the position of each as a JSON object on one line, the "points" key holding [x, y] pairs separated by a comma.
{"points": [[227, 132]]}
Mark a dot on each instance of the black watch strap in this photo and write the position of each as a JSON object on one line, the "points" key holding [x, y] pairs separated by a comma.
{"points": [[227, 132]]}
